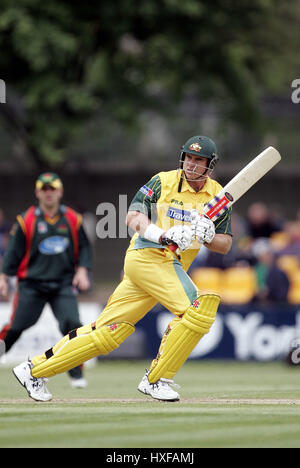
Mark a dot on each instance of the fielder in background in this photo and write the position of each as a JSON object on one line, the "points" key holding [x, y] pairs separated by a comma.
{"points": [[166, 210], [50, 255]]}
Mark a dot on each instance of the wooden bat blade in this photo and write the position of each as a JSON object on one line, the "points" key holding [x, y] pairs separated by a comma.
{"points": [[242, 182]]}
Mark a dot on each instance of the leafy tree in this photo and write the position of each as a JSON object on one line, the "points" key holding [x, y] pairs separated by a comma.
{"points": [[65, 60]]}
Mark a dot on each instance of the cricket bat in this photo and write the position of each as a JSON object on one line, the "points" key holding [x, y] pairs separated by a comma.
{"points": [[240, 184]]}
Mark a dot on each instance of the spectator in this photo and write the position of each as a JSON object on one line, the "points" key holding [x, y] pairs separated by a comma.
{"points": [[213, 260], [260, 222], [293, 247], [273, 283]]}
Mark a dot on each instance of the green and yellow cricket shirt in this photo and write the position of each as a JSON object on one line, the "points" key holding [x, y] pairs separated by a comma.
{"points": [[160, 200]]}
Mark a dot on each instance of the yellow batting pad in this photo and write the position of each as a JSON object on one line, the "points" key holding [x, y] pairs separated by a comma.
{"points": [[184, 337], [201, 315], [79, 346]]}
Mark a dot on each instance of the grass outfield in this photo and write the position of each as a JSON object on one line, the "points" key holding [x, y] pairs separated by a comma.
{"points": [[224, 404]]}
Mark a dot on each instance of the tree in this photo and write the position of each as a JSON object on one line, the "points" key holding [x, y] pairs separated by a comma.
{"points": [[65, 60]]}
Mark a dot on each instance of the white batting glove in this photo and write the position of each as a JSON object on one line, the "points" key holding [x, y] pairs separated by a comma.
{"points": [[180, 235], [195, 216], [202, 228]]}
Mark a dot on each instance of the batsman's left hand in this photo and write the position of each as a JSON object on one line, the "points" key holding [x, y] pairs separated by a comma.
{"points": [[180, 235]]}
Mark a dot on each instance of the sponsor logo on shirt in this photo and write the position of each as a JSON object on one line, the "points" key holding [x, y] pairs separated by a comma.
{"points": [[179, 215], [54, 245], [146, 191], [176, 202]]}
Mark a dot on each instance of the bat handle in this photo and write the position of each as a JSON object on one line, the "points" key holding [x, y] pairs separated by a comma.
{"points": [[168, 243], [173, 247]]}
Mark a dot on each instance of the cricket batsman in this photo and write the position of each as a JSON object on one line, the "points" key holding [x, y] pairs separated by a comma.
{"points": [[165, 211]]}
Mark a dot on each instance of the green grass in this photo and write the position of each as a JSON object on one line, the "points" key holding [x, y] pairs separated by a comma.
{"points": [[81, 418]]}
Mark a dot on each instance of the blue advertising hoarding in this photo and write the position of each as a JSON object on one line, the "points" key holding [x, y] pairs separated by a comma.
{"points": [[247, 332]]}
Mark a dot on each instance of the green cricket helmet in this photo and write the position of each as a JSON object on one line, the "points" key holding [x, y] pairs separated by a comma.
{"points": [[200, 146]]}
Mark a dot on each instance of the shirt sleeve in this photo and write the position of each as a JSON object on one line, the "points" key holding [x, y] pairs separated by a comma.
{"points": [[85, 249], [223, 224], [15, 250], [147, 196]]}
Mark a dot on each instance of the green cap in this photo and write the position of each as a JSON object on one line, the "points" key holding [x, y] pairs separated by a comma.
{"points": [[48, 178], [200, 146]]}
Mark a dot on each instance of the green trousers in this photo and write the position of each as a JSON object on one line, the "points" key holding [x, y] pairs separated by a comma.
{"points": [[29, 302]]}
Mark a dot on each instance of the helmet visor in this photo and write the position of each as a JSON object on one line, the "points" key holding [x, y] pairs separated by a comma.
{"points": [[195, 170]]}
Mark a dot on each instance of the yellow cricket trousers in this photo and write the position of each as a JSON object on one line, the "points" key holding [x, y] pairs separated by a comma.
{"points": [[150, 276]]}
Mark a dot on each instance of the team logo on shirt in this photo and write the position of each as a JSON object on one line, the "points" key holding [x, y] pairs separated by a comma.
{"points": [[42, 227], [62, 228], [146, 191], [54, 245]]}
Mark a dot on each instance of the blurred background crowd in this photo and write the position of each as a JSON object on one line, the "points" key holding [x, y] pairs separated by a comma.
{"points": [[263, 265]]}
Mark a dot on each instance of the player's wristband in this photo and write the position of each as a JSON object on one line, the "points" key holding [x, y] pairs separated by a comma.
{"points": [[153, 233]]}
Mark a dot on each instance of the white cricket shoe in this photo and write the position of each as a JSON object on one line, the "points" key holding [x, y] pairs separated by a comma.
{"points": [[78, 383], [160, 390], [36, 387]]}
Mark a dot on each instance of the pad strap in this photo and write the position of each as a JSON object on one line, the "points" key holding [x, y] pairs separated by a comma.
{"points": [[79, 346]]}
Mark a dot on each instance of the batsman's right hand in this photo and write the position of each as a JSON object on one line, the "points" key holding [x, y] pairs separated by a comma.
{"points": [[202, 227], [182, 236]]}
